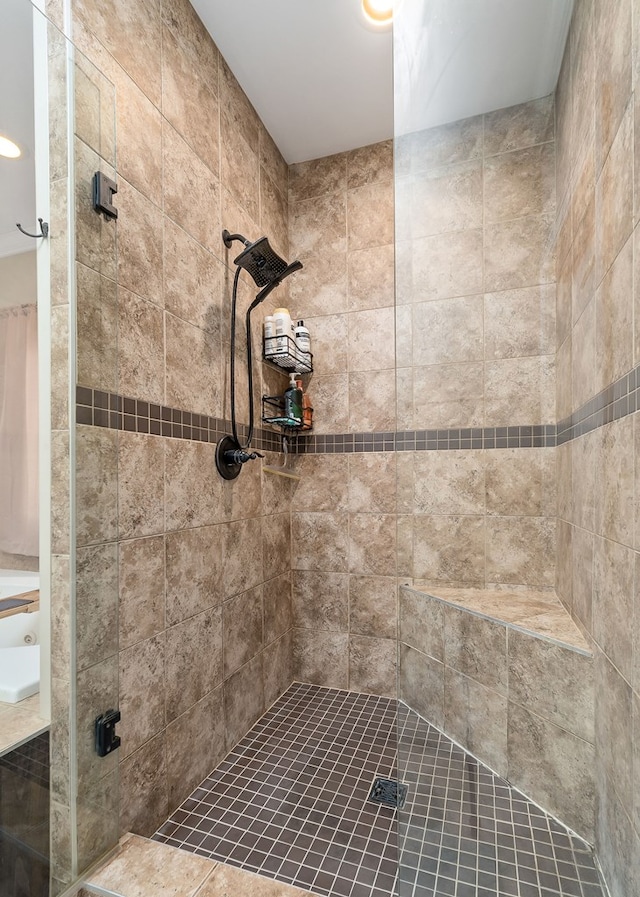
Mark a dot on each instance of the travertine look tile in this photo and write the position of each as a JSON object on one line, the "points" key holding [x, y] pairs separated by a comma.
{"points": [[521, 550], [421, 684], [97, 328], [321, 601], [444, 265], [242, 562], [241, 629], [193, 368], [422, 622], [325, 483], [564, 563], [243, 700], [614, 320], [371, 278], [564, 396], [372, 401], [141, 348], [139, 141], [520, 391], [139, 243], [520, 322], [372, 544], [226, 880], [97, 819], [193, 572], [477, 718], [583, 261], [329, 343], [141, 589], [613, 570], [188, 100], [372, 665], [521, 482], [321, 286], [519, 126], [136, 44], [95, 238], [519, 253], [96, 604], [319, 224], [373, 606], [613, 732], [96, 485], [371, 345], [318, 177], [330, 397], [140, 500], [554, 682], [614, 498], [614, 198], [278, 612], [447, 144], [368, 164], [276, 544], [321, 658], [363, 232], [274, 214], [564, 299], [449, 548], [237, 107], [193, 661], [239, 166], [141, 685], [519, 183], [448, 330], [191, 193], [446, 199], [613, 42], [273, 162], [584, 480], [371, 486], [97, 689], [191, 494], [143, 783], [445, 396], [476, 647], [582, 576], [449, 482], [554, 763], [142, 866], [583, 358], [193, 280]]}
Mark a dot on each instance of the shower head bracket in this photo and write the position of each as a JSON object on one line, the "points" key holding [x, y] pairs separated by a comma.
{"points": [[228, 239]]}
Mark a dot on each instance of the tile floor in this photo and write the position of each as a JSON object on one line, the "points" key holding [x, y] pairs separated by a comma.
{"points": [[290, 802]]}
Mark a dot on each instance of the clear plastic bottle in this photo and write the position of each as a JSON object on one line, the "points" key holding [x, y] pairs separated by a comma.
{"points": [[284, 331], [270, 343], [303, 345]]}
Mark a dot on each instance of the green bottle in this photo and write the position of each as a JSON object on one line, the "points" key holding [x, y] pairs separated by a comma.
{"points": [[293, 403]]}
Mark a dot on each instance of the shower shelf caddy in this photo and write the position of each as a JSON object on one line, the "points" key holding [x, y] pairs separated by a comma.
{"points": [[289, 358], [273, 413]]}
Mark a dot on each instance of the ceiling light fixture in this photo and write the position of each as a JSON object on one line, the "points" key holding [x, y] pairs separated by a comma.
{"points": [[9, 149], [378, 12]]}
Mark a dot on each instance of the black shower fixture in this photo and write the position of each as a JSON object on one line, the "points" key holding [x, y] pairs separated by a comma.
{"points": [[268, 270]]}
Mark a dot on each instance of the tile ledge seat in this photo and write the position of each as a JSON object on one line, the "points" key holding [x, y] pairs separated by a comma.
{"points": [[144, 868], [534, 611]]}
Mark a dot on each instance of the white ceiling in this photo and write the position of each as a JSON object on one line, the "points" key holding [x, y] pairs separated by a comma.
{"points": [[322, 81], [17, 176]]}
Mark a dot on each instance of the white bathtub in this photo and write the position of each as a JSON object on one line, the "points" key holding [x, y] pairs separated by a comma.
{"points": [[19, 642]]}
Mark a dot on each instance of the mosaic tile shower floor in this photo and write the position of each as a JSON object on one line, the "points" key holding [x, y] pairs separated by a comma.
{"points": [[290, 802]]}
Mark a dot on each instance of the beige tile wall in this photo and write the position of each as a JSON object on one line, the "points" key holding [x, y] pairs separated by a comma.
{"points": [[597, 341], [476, 289], [184, 595], [343, 528]]}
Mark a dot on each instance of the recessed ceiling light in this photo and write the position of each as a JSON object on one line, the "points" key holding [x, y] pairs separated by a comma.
{"points": [[379, 12], [9, 149]]}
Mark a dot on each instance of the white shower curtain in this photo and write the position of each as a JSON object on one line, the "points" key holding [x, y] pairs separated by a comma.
{"points": [[19, 430]]}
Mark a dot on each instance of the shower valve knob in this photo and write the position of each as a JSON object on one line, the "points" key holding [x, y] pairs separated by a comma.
{"points": [[238, 456]]}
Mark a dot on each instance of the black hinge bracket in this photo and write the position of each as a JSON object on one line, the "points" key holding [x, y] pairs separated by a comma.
{"points": [[106, 738], [103, 191]]}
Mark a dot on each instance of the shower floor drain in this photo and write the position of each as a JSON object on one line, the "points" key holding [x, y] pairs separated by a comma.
{"points": [[388, 792]]}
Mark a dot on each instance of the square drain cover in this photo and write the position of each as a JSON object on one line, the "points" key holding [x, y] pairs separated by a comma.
{"points": [[388, 792]]}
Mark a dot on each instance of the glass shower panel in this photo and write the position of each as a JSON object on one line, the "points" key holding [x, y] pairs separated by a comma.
{"points": [[476, 221]]}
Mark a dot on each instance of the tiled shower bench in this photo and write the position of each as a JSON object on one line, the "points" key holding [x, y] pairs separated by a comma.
{"points": [[509, 676]]}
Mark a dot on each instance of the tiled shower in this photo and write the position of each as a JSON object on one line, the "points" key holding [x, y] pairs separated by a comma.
{"points": [[470, 291]]}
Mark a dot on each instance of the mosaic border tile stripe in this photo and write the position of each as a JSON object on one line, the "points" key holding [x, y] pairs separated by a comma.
{"points": [[98, 408], [106, 409], [427, 440]]}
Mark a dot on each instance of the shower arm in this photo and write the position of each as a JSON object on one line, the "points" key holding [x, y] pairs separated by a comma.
{"points": [[228, 239]]}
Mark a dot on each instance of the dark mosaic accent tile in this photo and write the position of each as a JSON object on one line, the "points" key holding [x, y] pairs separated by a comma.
{"points": [[290, 802]]}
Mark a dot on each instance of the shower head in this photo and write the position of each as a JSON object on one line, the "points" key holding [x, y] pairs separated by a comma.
{"points": [[266, 267]]}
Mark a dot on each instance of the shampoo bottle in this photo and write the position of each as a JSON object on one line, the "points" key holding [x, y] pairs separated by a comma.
{"points": [[307, 408], [293, 403], [270, 342], [303, 344]]}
